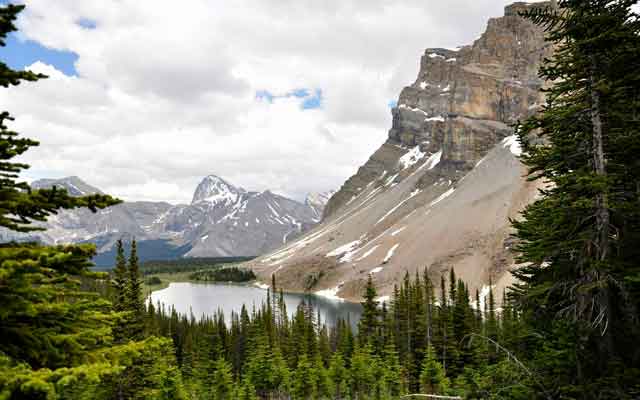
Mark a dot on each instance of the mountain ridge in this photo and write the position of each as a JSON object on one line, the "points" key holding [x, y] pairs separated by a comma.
{"points": [[440, 191], [222, 220]]}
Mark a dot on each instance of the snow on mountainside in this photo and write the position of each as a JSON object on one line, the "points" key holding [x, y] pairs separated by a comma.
{"points": [[318, 201], [214, 190], [439, 192], [222, 220]]}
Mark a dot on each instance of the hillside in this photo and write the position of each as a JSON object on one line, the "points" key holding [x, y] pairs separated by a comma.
{"points": [[440, 191]]}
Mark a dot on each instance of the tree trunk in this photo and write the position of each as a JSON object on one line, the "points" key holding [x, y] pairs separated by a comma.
{"points": [[602, 209]]}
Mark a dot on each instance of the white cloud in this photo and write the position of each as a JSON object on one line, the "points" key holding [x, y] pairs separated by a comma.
{"points": [[166, 93]]}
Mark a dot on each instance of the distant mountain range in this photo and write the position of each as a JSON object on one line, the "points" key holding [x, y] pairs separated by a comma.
{"points": [[222, 220]]}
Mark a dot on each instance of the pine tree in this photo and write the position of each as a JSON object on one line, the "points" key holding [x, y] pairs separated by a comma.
{"points": [[135, 300], [391, 380], [432, 376], [120, 279], [578, 242], [48, 324], [369, 321], [305, 379], [222, 380], [362, 372], [338, 374]]}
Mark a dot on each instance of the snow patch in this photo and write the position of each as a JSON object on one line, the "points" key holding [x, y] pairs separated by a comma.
{"points": [[390, 179], [432, 161], [514, 145], [390, 253], [375, 270], [344, 249], [398, 231], [368, 253], [261, 285], [435, 55], [332, 293], [413, 194], [439, 118], [418, 110], [411, 157], [442, 197], [383, 299]]}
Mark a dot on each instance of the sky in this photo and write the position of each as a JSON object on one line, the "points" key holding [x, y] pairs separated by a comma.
{"points": [[145, 98]]}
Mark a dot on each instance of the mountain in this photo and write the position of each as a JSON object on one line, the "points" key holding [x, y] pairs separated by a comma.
{"points": [[74, 185], [222, 220], [318, 201], [440, 191]]}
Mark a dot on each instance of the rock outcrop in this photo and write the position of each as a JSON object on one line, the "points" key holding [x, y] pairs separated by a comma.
{"points": [[439, 192]]}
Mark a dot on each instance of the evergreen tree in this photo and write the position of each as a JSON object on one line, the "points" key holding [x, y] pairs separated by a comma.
{"points": [[120, 279], [578, 242], [362, 372], [391, 380], [369, 321], [338, 374], [305, 379], [222, 380], [432, 376], [135, 300]]}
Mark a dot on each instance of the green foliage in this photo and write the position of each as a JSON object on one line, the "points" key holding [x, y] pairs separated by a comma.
{"points": [[368, 325], [153, 280], [230, 274], [223, 386], [432, 377], [56, 333], [188, 264], [578, 242], [134, 298]]}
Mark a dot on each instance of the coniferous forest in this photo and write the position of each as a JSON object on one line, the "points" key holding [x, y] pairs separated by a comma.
{"points": [[568, 329]]}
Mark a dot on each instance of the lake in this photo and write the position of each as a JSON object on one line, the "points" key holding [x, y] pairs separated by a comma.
{"points": [[207, 298]]}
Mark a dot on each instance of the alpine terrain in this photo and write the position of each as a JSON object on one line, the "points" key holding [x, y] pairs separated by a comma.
{"points": [[440, 191], [222, 221]]}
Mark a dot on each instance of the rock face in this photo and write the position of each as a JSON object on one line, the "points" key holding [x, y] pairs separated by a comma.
{"points": [[439, 192], [222, 220]]}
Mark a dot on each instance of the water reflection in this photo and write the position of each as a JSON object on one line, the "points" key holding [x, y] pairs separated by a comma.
{"points": [[207, 298]]}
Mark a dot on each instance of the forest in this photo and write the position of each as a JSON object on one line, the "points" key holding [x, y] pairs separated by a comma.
{"points": [[567, 329]]}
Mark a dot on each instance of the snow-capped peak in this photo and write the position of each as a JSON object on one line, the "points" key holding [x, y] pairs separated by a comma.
{"points": [[215, 190]]}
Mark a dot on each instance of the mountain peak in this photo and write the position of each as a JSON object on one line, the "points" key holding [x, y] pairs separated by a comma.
{"points": [[74, 185], [214, 190]]}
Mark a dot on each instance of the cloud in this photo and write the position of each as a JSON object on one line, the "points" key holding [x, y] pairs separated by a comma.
{"points": [[165, 95]]}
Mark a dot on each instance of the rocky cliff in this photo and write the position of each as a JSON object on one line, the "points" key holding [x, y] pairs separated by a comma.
{"points": [[439, 192]]}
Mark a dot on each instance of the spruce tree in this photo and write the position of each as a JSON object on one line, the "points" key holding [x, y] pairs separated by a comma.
{"points": [[432, 376], [222, 380], [369, 321], [578, 242], [120, 279], [135, 300], [338, 374]]}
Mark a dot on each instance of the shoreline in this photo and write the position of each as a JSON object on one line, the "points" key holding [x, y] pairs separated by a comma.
{"points": [[148, 290]]}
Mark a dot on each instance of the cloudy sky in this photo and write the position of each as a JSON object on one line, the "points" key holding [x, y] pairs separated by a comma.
{"points": [[145, 97]]}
